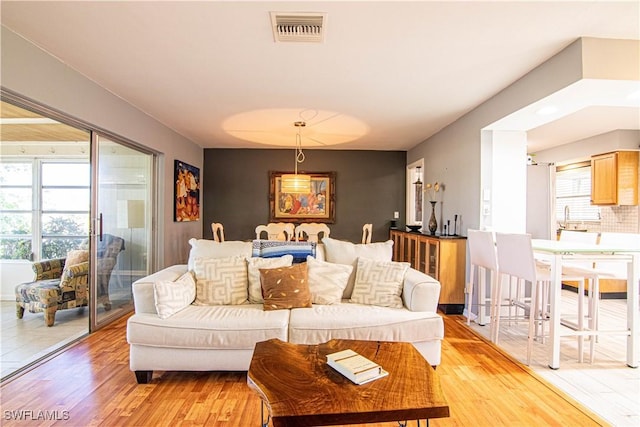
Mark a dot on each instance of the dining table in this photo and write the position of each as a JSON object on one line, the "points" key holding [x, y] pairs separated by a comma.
{"points": [[555, 252]]}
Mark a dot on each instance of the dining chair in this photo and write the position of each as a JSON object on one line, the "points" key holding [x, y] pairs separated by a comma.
{"points": [[276, 231], [311, 230], [483, 259], [218, 231], [367, 229], [517, 266]]}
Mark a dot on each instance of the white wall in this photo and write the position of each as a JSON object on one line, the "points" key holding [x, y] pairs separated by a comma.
{"points": [[461, 155], [32, 73], [509, 180], [455, 155], [585, 148]]}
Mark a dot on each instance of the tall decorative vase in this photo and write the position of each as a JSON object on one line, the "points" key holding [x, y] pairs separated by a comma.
{"points": [[433, 223]]}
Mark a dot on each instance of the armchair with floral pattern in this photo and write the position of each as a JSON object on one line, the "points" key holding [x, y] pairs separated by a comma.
{"points": [[54, 288]]}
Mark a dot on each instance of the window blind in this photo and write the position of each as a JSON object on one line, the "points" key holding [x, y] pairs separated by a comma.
{"points": [[573, 190]]}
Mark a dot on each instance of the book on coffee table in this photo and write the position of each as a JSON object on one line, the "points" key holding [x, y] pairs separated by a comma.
{"points": [[355, 367]]}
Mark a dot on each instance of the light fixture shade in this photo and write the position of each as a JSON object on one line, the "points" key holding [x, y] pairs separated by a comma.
{"points": [[295, 183], [130, 214]]}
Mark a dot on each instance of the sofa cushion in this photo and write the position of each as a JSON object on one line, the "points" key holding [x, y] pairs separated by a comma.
{"points": [[171, 297], [327, 280], [379, 282], [223, 327], [202, 248], [253, 271], [221, 280], [285, 287], [342, 252], [349, 321]]}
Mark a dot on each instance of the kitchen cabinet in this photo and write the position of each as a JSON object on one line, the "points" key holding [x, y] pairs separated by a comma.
{"points": [[441, 257], [614, 178]]}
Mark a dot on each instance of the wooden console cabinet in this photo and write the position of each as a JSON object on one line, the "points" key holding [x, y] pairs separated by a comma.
{"points": [[441, 257]]}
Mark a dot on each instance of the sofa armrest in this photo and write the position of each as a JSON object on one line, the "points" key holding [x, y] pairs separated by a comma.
{"points": [[420, 292], [143, 299]]}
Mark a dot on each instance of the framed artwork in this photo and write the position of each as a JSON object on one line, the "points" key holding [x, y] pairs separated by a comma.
{"points": [[186, 198], [317, 206]]}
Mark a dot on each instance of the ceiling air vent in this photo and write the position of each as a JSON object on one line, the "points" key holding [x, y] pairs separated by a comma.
{"points": [[298, 26]]}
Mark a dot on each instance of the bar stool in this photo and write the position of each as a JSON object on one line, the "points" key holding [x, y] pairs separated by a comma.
{"points": [[582, 272], [483, 259], [516, 262]]}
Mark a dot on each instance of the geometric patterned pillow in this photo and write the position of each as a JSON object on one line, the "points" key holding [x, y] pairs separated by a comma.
{"points": [[379, 283], [342, 252], [327, 280], [221, 281], [285, 287], [253, 270], [171, 297]]}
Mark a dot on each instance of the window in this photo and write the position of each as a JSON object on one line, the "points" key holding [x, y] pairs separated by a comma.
{"points": [[16, 182], [44, 207], [573, 194]]}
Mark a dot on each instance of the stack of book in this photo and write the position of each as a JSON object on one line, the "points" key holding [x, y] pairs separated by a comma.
{"points": [[355, 367]]}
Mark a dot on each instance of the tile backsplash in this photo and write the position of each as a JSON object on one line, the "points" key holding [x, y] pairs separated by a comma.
{"points": [[620, 219], [614, 219]]}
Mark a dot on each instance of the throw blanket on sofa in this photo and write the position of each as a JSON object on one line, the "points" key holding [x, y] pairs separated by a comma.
{"points": [[277, 248]]}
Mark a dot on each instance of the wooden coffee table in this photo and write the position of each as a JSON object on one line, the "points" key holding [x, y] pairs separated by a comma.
{"points": [[300, 389]]}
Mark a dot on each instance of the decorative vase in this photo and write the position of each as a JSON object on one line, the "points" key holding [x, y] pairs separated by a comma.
{"points": [[433, 223]]}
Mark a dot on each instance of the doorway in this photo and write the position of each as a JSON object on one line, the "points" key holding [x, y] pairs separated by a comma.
{"points": [[58, 176], [121, 236]]}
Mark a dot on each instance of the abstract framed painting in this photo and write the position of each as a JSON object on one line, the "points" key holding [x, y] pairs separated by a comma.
{"points": [[186, 192]]}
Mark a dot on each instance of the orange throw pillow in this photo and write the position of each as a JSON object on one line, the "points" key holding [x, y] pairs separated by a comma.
{"points": [[285, 287]]}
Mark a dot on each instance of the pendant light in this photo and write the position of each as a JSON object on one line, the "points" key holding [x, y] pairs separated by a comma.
{"points": [[296, 183], [418, 181]]}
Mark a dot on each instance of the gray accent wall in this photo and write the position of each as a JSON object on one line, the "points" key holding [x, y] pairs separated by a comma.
{"points": [[370, 186]]}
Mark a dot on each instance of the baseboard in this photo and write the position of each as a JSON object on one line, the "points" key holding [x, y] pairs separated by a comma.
{"points": [[603, 295], [451, 308]]}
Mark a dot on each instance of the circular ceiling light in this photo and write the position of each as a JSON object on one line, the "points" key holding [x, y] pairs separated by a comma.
{"points": [[273, 127]]}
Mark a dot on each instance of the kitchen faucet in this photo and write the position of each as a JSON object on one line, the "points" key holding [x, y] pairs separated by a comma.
{"points": [[566, 215]]}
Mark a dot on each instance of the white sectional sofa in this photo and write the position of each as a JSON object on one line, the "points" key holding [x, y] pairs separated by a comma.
{"points": [[173, 330]]}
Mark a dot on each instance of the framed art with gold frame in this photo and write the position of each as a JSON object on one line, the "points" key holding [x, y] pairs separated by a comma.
{"points": [[316, 206]]}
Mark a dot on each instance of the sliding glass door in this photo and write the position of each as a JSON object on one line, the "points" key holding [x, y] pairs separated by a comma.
{"points": [[121, 232]]}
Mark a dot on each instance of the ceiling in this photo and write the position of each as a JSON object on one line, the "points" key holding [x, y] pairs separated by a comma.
{"points": [[387, 76]]}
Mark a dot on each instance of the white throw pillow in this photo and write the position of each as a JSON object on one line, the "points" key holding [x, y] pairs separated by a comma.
{"points": [[171, 297], [379, 283], [203, 248], [221, 281], [327, 280], [342, 252], [254, 265]]}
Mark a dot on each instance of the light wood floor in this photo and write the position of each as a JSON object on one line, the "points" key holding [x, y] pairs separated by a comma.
{"points": [[90, 384], [607, 386]]}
